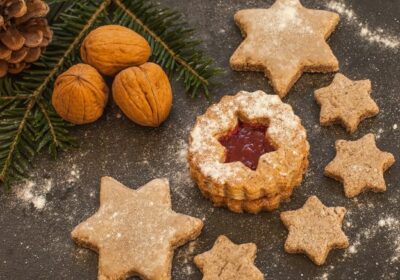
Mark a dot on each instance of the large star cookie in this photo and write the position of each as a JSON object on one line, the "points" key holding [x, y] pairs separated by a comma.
{"points": [[284, 41], [135, 231], [227, 261], [346, 101], [359, 165], [314, 230]]}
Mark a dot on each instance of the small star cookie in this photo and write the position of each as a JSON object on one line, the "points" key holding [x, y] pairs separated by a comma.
{"points": [[360, 166], [284, 41], [346, 101], [135, 231], [228, 261], [314, 230]]}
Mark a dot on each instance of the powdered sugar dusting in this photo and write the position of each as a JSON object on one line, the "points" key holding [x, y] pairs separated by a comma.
{"points": [[186, 256], [74, 174], [286, 17], [389, 225], [284, 128], [34, 191], [378, 35], [31, 193]]}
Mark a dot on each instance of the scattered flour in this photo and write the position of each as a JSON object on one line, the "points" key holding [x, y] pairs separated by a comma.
{"points": [[390, 225], [393, 226], [374, 36], [34, 191], [379, 133], [30, 192], [324, 276], [353, 248], [186, 257], [74, 174], [387, 226]]}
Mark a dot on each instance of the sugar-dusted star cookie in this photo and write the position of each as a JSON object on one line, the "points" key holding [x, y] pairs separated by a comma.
{"points": [[359, 165], [135, 231], [347, 102], [314, 230], [228, 261], [284, 41]]}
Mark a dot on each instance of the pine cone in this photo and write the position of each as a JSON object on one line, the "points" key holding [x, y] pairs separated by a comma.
{"points": [[24, 34]]}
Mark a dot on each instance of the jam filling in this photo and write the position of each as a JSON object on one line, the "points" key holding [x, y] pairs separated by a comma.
{"points": [[246, 143]]}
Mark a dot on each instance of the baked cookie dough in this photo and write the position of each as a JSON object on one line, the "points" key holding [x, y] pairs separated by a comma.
{"points": [[234, 184], [135, 232], [347, 102], [284, 41], [359, 165], [227, 261], [314, 230]]}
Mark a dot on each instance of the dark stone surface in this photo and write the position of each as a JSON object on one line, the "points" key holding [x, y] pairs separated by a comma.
{"points": [[36, 244]]}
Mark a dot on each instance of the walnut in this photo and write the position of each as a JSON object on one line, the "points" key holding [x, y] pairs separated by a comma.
{"points": [[144, 94], [80, 94], [112, 48]]}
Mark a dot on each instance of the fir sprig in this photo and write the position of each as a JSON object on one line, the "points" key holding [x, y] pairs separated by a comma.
{"points": [[28, 122]]}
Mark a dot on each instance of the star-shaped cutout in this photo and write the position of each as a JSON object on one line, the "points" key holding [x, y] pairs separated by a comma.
{"points": [[135, 231], [284, 41], [360, 165], [314, 230], [227, 261], [246, 143], [346, 101]]}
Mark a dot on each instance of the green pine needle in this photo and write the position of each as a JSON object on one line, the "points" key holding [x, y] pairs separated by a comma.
{"points": [[29, 123]]}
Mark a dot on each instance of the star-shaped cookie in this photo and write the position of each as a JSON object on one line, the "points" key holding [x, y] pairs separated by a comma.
{"points": [[359, 165], [135, 231], [314, 230], [284, 41], [228, 261], [347, 102]]}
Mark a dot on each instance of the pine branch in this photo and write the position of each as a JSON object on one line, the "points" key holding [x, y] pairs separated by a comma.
{"points": [[27, 122], [171, 42]]}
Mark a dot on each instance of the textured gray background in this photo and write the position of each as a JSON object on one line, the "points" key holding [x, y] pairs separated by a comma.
{"points": [[35, 244]]}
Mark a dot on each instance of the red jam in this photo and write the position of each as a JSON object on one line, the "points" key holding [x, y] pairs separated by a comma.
{"points": [[246, 143]]}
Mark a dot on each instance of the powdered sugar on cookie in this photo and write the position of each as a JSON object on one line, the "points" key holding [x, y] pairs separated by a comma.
{"points": [[284, 128], [277, 172]]}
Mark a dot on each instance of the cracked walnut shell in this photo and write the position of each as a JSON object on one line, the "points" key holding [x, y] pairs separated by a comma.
{"points": [[80, 94], [113, 48], [144, 94]]}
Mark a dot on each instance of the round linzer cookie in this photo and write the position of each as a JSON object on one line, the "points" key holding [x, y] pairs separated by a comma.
{"points": [[248, 152]]}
